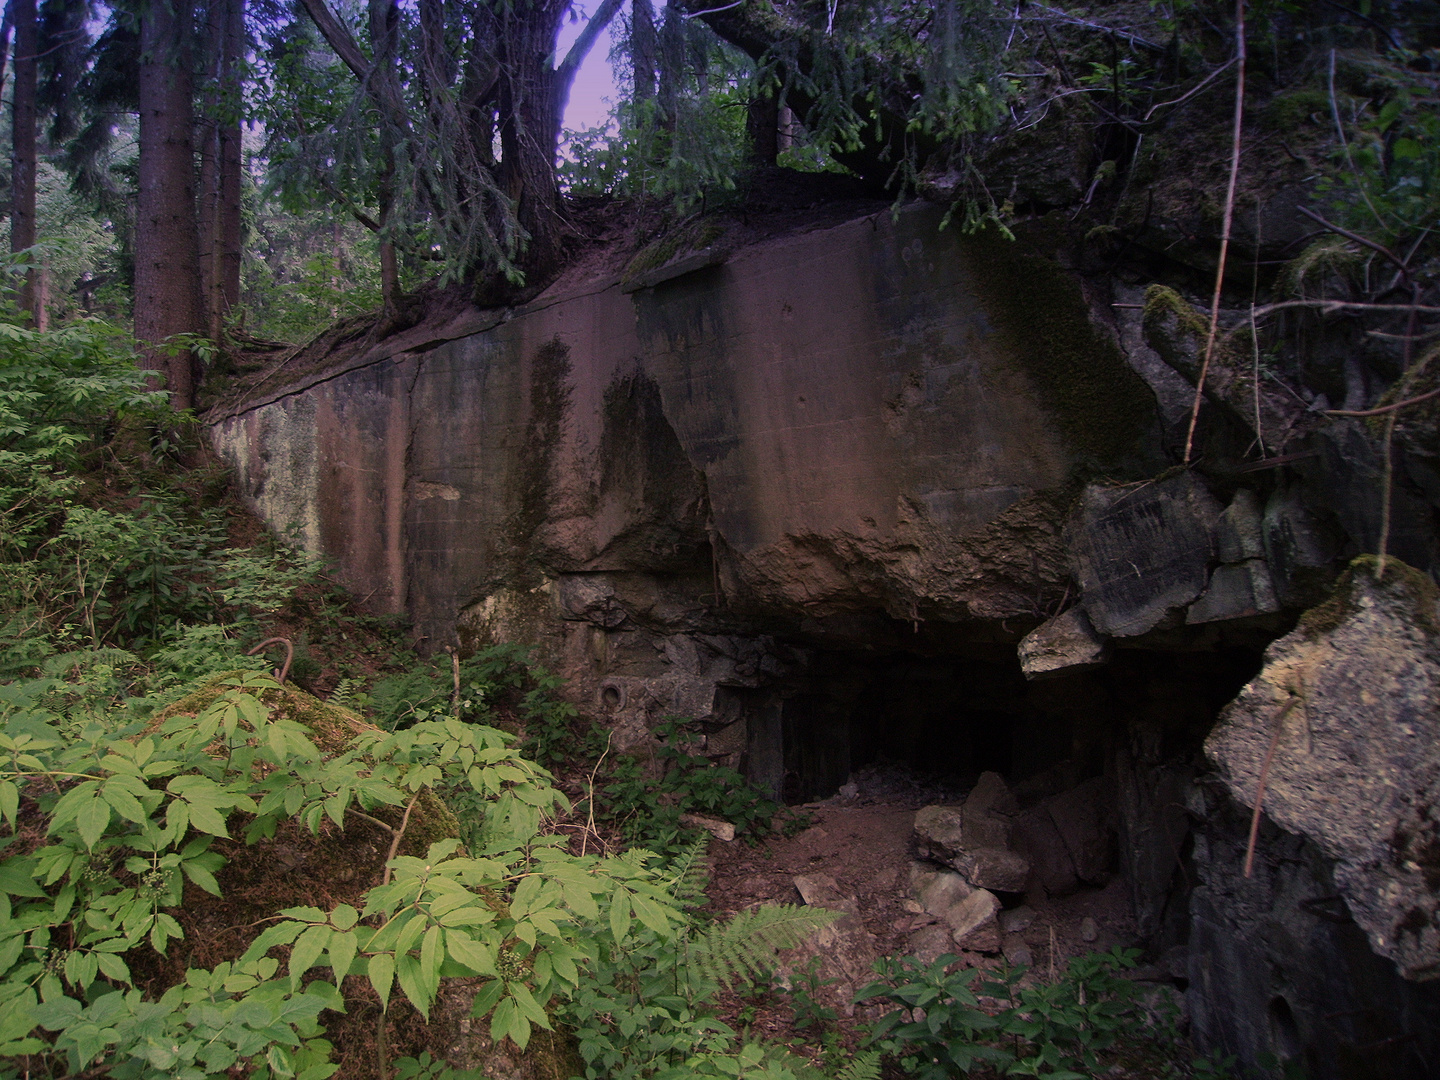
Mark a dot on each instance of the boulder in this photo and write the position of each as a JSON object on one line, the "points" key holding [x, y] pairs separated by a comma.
{"points": [[994, 868], [1063, 645], [942, 891], [845, 948], [1037, 838], [939, 832], [1347, 712]]}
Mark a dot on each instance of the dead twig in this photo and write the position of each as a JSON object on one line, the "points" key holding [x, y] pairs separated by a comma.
{"points": [[455, 672], [284, 670], [1226, 225], [590, 811], [1201, 85], [1260, 787], [399, 834]]}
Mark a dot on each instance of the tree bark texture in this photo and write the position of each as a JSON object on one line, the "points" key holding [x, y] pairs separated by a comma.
{"points": [[642, 49], [220, 168], [23, 156], [167, 251]]}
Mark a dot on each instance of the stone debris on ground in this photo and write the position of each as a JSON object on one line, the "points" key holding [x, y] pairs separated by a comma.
{"points": [[864, 856]]}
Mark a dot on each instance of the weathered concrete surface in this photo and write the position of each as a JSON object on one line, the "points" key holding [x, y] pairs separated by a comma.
{"points": [[603, 470], [1347, 712]]}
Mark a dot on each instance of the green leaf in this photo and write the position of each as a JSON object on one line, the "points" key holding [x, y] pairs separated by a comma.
{"points": [[407, 972], [307, 950], [92, 819], [342, 954], [525, 1001], [201, 877], [344, 917], [620, 915], [381, 968], [477, 956], [9, 801], [17, 877]]}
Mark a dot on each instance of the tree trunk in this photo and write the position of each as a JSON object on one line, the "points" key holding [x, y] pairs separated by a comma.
{"points": [[642, 49], [167, 249], [530, 128], [221, 231], [23, 155]]}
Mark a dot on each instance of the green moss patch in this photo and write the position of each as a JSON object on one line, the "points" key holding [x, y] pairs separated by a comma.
{"points": [[692, 236], [1411, 588], [1102, 407]]}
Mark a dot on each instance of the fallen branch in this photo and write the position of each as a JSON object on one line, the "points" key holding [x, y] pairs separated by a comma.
{"points": [[1383, 409], [1225, 229], [1260, 787], [1339, 230]]}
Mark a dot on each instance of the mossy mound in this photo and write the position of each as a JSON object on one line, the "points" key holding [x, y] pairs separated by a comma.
{"points": [[332, 729]]}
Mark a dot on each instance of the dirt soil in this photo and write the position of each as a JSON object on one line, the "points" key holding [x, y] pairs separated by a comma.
{"points": [[862, 839]]}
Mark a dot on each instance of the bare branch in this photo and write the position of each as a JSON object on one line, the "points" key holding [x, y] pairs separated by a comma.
{"points": [[565, 72], [1363, 240], [1225, 229]]}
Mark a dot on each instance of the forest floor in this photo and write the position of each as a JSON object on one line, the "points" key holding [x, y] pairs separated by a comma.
{"points": [[861, 842]]}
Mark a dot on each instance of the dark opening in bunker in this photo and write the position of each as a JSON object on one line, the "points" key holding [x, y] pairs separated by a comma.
{"points": [[958, 714]]}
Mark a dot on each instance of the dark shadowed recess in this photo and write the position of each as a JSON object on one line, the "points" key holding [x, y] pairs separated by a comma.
{"points": [[954, 716]]}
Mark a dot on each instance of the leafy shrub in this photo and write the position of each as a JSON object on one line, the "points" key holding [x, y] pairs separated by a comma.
{"points": [[1056, 1030], [110, 823], [129, 815], [649, 809]]}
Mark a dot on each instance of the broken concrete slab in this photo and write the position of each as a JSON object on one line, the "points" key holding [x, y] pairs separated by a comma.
{"points": [[1235, 592], [1143, 551], [1344, 711], [1061, 646]]}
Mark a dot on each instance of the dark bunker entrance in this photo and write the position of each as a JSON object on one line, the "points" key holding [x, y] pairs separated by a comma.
{"points": [[952, 716]]}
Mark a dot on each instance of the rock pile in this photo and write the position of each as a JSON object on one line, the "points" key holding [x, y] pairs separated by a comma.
{"points": [[987, 847]]}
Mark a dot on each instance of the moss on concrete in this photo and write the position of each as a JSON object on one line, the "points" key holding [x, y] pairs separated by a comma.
{"points": [[692, 236], [1413, 589], [1101, 406], [1168, 320]]}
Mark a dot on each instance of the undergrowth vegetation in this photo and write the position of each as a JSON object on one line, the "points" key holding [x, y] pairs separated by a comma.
{"points": [[206, 870]]}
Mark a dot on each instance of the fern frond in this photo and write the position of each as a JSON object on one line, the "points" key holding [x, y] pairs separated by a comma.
{"points": [[747, 944], [347, 691], [865, 1065], [61, 665], [688, 876]]}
